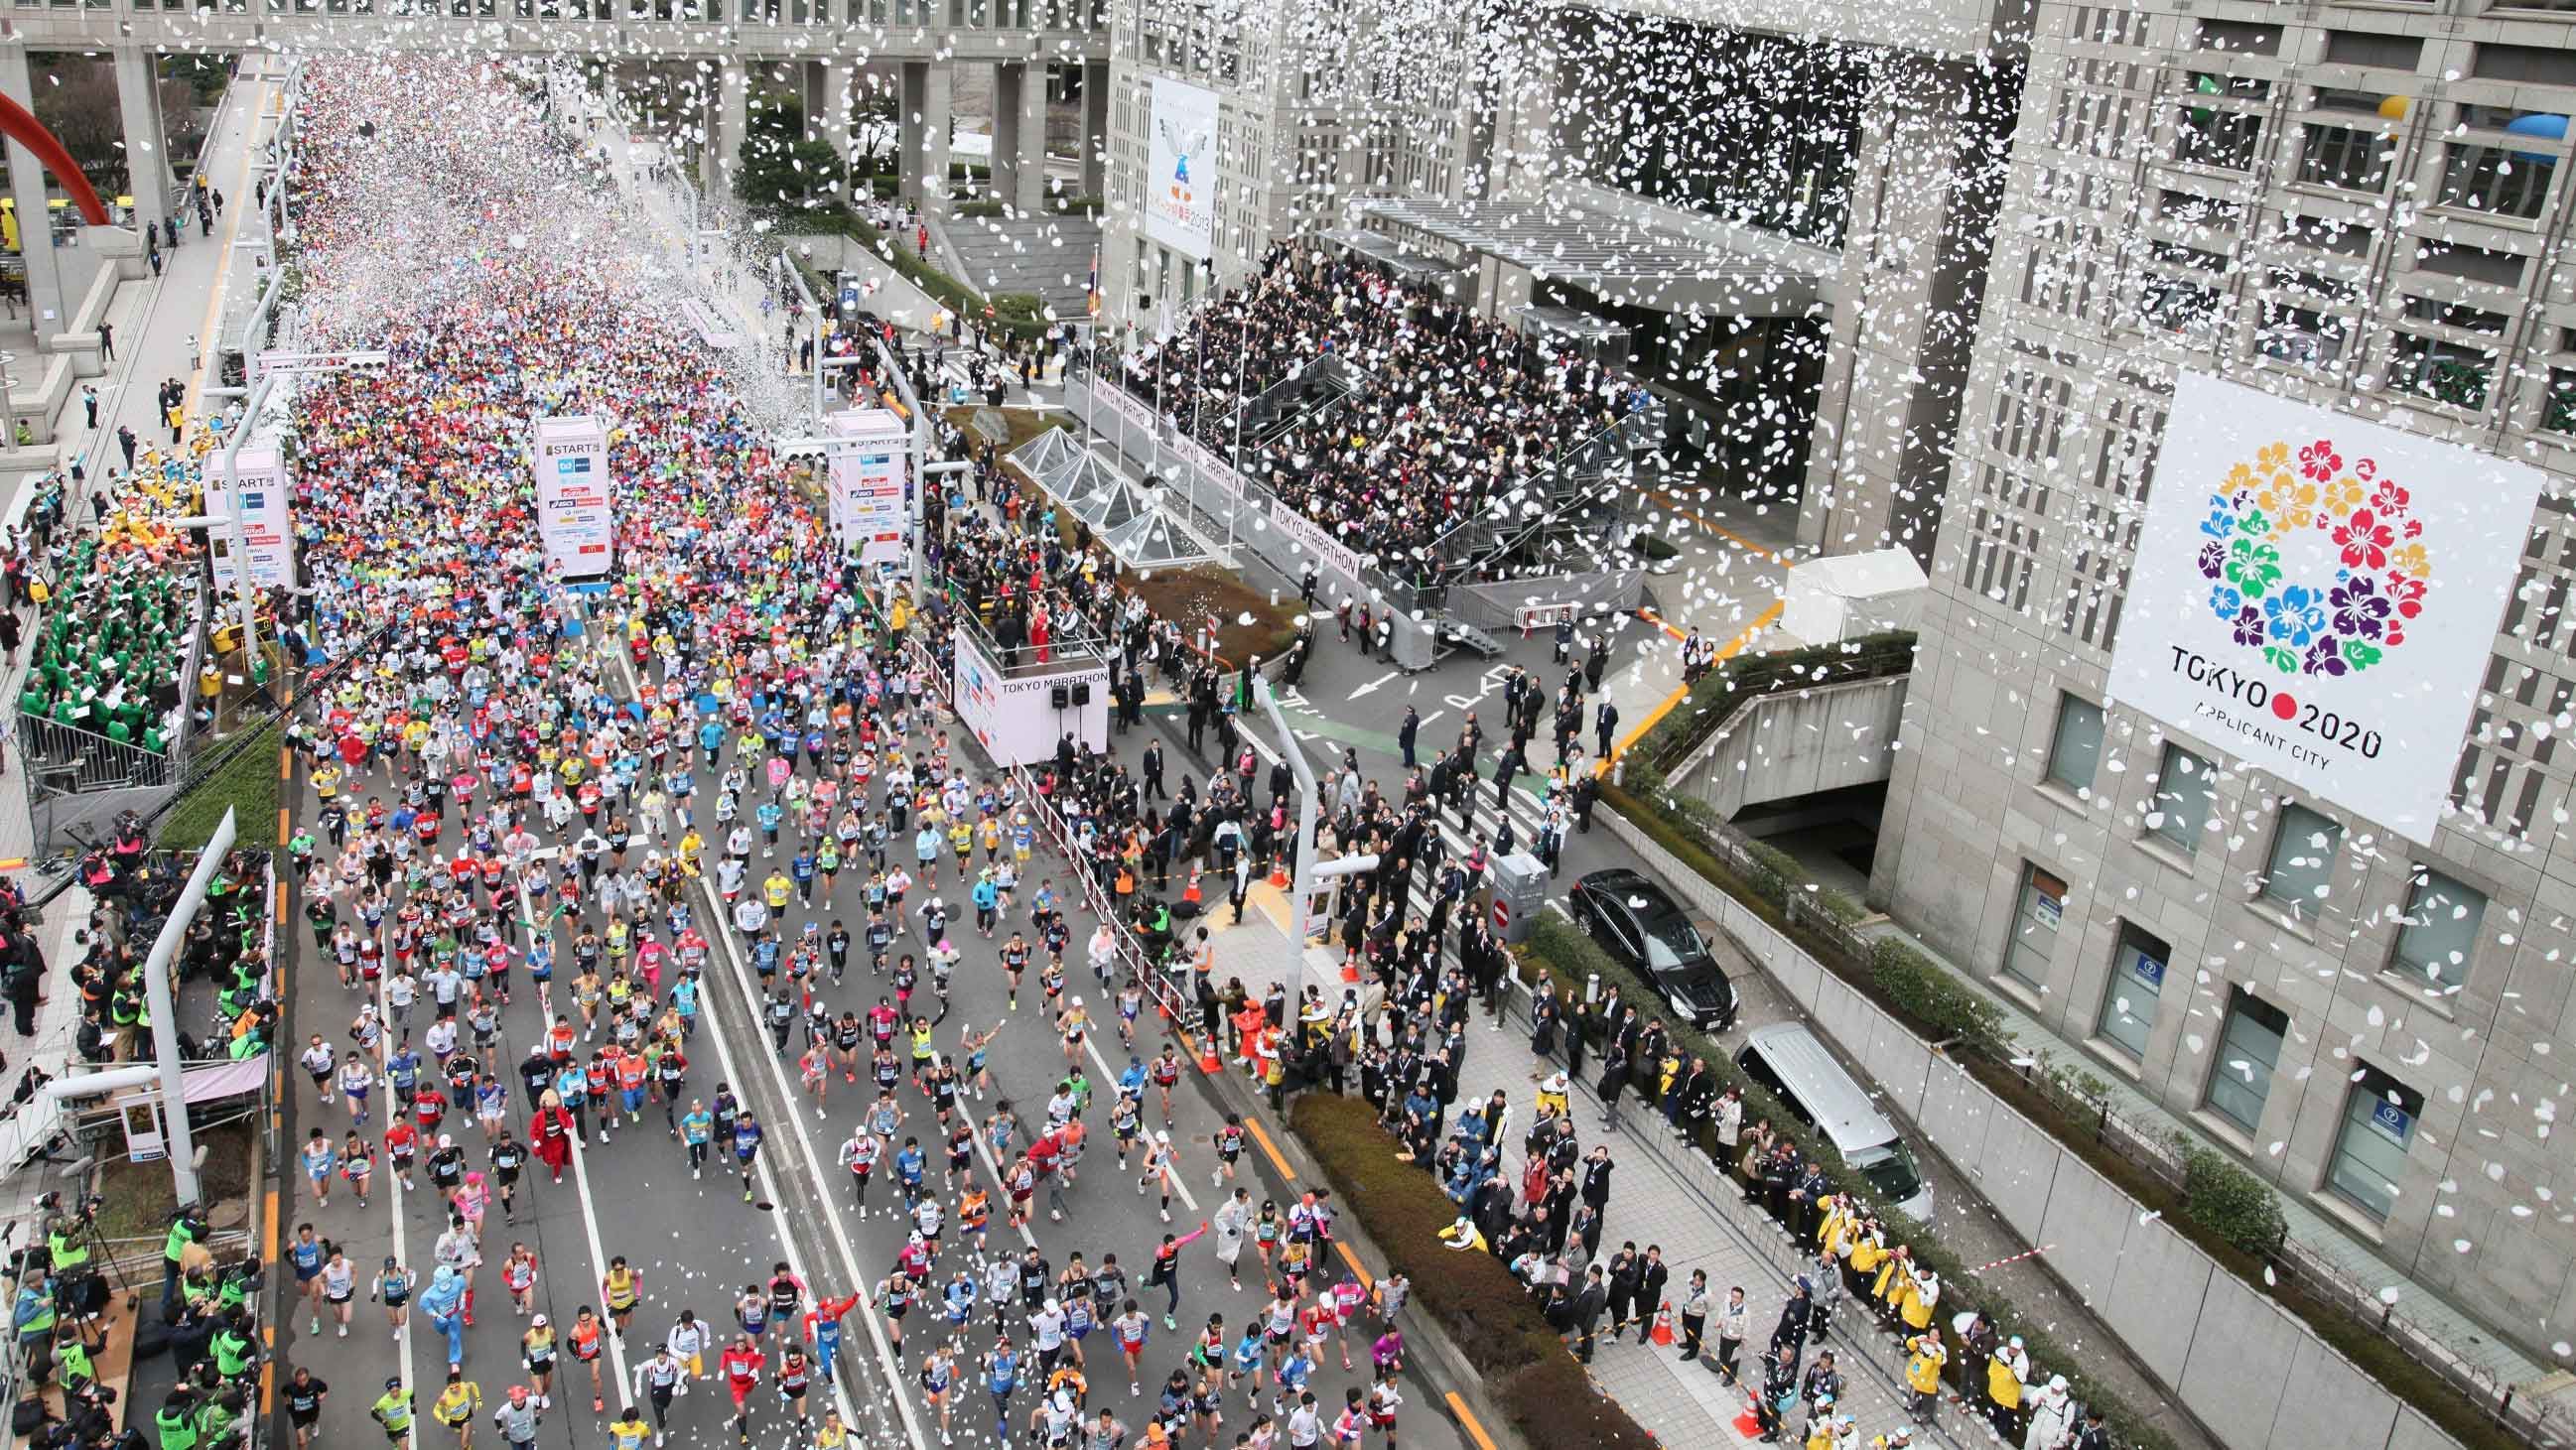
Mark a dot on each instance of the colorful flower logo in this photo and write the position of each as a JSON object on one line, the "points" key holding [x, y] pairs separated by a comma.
{"points": [[2342, 625]]}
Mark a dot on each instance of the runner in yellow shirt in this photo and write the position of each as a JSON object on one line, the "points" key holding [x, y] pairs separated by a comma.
{"points": [[457, 1406]]}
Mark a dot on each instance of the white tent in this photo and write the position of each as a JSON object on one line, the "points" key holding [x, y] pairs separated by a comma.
{"points": [[1844, 596]]}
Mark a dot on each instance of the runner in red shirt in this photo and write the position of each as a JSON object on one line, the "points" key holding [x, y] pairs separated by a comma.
{"points": [[741, 1364]]}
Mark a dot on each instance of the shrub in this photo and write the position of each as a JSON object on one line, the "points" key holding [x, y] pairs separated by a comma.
{"points": [[1483, 1307], [1552, 1403], [1839, 905], [2230, 1202], [1493, 1321], [245, 782], [1941, 1005]]}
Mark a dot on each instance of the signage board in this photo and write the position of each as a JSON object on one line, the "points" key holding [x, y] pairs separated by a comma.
{"points": [[257, 495], [1015, 717], [2318, 596], [1313, 538], [1181, 169], [275, 360], [868, 481], [575, 516]]}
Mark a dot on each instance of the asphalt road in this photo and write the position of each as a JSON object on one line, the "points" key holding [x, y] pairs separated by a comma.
{"points": [[697, 1243]]}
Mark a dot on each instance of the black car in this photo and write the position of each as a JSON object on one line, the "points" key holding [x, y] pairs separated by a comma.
{"points": [[1641, 925]]}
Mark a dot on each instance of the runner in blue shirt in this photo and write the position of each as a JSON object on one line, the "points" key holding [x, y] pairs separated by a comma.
{"points": [[1001, 1376]]}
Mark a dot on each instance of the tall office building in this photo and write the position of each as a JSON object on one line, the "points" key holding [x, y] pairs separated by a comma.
{"points": [[2232, 749], [1779, 221]]}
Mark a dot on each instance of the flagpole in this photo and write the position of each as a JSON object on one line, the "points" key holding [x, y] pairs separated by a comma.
{"points": [[1242, 402], [1198, 401]]}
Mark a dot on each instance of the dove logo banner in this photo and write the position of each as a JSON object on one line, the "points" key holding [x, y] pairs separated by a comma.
{"points": [[2318, 596], [1180, 170]]}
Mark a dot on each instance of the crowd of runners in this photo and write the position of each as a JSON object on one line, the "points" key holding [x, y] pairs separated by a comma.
{"points": [[541, 814]]}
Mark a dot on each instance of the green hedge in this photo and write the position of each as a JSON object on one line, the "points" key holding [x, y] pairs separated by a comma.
{"points": [[2228, 1212], [1567, 956], [1486, 1312], [246, 783], [2229, 1202]]}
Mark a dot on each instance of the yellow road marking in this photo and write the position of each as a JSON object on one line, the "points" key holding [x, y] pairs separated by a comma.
{"points": [[1733, 647], [206, 347], [1475, 1431], [1721, 530]]}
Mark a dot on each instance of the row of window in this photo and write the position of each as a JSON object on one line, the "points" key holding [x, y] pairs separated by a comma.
{"points": [[2439, 928], [2439, 932]]}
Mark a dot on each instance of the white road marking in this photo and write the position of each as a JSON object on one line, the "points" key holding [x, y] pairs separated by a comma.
{"points": [[590, 1211], [788, 1095]]}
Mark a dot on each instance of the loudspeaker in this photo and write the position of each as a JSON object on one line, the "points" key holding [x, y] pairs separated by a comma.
{"points": [[1056, 697], [1082, 693]]}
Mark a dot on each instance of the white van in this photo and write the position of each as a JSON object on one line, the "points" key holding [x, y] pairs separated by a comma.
{"points": [[1794, 1066]]}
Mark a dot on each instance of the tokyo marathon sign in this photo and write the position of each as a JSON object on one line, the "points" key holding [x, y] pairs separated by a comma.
{"points": [[2318, 596]]}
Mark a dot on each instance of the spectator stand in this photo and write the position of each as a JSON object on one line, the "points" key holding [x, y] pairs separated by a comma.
{"points": [[1559, 534]]}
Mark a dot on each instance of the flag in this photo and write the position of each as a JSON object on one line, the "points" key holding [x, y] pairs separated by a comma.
{"points": [[1094, 288]]}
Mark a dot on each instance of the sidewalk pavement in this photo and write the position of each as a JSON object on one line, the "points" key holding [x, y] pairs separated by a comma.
{"points": [[1664, 1196]]}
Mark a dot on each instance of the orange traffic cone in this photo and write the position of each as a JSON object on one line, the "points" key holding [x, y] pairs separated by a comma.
{"points": [[1350, 969], [1279, 874], [1209, 1061], [1191, 894], [1664, 1323]]}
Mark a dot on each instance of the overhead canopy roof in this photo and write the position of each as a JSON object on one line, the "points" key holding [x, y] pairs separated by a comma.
{"points": [[1619, 259]]}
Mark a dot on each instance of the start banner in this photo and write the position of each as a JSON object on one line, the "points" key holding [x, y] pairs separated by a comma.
{"points": [[574, 514]]}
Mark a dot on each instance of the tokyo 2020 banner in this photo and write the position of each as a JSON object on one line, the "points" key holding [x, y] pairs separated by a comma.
{"points": [[2318, 596]]}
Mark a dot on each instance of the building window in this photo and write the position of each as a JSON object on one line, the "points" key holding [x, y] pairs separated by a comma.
{"points": [[2344, 158], [2303, 858], [2441, 930], [2370, 1147], [2496, 181], [2186, 785], [2211, 137], [2129, 999], [2037, 915], [2446, 372], [2076, 751], [2558, 409], [2247, 1049]]}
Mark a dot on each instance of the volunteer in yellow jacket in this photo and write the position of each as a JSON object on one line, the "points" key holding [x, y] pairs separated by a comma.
{"points": [[2006, 1372], [1924, 1356]]}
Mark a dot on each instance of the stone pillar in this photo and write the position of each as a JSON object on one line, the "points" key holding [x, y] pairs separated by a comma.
{"points": [[733, 122], [147, 143], [926, 119], [1095, 128], [1019, 135], [27, 189], [913, 90], [835, 120]]}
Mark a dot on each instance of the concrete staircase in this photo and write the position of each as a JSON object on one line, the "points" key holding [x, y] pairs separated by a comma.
{"points": [[1048, 255]]}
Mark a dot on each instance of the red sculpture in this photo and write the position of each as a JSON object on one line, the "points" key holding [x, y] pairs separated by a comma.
{"points": [[21, 126]]}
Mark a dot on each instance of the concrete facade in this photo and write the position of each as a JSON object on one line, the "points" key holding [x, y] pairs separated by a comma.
{"points": [[1901, 261], [2321, 201], [1798, 743]]}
